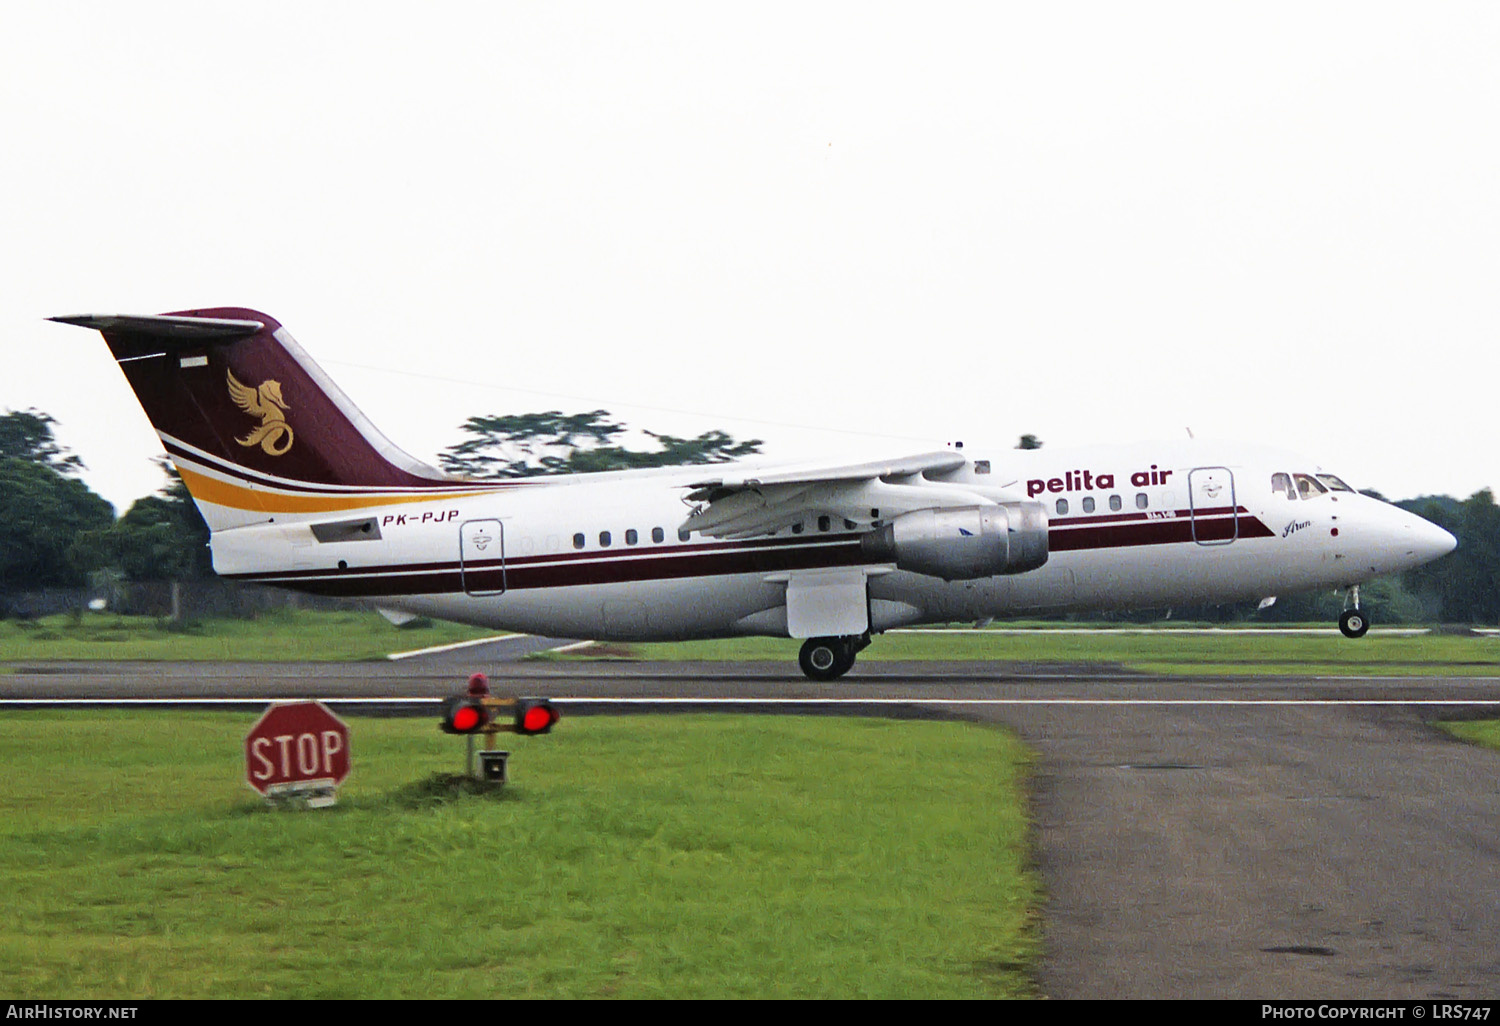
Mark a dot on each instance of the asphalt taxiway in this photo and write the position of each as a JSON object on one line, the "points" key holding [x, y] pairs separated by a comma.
{"points": [[1276, 837]]}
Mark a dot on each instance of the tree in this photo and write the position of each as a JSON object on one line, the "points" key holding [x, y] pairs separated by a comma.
{"points": [[46, 523], [1466, 583], [1029, 442], [532, 444], [162, 537], [27, 435]]}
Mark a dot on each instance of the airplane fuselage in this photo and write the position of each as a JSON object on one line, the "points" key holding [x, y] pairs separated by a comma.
{"points": [[300, 490], [606, 556]]}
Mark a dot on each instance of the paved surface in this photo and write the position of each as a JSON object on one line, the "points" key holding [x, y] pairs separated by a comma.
{"points": [[466, 657], [1311, 843], [1296, 852]]}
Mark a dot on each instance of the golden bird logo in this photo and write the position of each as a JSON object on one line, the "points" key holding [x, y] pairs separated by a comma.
{"points": [[266, 403]]}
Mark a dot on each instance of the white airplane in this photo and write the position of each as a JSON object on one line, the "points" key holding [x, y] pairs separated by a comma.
{"points": [[301, 491]]}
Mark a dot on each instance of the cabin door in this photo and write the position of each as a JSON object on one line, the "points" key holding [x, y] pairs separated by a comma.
{"points": [[1215, 513], [481, 556]]}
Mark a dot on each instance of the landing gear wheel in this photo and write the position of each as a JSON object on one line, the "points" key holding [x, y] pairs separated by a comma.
{"points": [[826, 658], [1354, 623]]}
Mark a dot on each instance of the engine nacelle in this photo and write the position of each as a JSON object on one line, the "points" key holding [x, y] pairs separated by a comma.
{"points": [[963, 544]]}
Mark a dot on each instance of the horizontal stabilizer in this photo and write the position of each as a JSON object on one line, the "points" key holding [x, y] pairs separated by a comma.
{"points": [[188, 330]]}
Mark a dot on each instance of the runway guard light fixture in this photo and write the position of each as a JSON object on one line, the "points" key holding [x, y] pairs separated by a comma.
{"points": [[479, 713]]}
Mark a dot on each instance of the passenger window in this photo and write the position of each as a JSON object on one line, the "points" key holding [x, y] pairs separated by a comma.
{"points": [[604, 539], [849, 525], [683, 534], [1114, 503], [578, 540], [631, 537], [1308, 486], [797, 527], [1141, 500], [824, 523], [1281, 484], [658, 535], [1088, 504], [1062, 507], [981, 466]]}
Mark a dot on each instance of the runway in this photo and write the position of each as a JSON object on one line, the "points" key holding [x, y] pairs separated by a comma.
{"points": [[1211, 837]]}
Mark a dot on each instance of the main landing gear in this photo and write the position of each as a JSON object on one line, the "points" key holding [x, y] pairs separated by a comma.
{"points": [[829, 658], [1353, 621]]}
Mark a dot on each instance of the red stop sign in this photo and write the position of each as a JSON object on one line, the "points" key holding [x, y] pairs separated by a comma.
{"points": [[296, 743]]}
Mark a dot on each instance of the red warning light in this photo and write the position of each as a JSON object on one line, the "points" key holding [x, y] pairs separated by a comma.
{"points": [[464, 715], [469, 714], [535, 716]]}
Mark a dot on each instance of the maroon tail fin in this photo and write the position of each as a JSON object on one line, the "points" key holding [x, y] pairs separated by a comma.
{"points": [[232, 384], [243, 410]]}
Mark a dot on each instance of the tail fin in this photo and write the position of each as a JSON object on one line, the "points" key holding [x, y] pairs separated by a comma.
{"points": [[256, 429]]}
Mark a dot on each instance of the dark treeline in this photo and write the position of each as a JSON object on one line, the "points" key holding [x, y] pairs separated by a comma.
{"points": [[56, 533]]}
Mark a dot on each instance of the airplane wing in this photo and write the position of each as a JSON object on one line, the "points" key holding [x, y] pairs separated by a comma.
{"points": [[748, 502]]}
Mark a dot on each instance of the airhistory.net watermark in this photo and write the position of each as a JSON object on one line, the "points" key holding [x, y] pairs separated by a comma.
{"points": [[67, 1010]]}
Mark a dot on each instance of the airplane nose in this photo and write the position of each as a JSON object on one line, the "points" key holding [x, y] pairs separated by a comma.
{"points": [[1421, 541], [1390, 539], [1432, 541]]}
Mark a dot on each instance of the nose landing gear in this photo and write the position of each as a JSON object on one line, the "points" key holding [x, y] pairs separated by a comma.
{"points": [[830, 658], [1353, 621]]}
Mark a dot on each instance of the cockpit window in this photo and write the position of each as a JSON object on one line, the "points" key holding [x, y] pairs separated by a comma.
{"points": [[1308, 486], [1335, 483], [1281, 484]]}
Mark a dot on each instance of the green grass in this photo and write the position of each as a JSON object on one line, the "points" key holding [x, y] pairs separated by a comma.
{"points": [[307, 635], [281, 635], [631, 857], [1479, 732], [1218, 653]]}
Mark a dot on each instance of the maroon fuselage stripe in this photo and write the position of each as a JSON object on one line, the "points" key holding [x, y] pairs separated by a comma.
{"points": [[764, 556], [1157, 532]]}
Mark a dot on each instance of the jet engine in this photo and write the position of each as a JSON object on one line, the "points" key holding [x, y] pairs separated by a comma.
{"points": [[963, 544]]}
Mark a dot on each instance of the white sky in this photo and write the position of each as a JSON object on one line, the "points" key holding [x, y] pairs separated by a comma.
{"points": [[838, 227]]}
